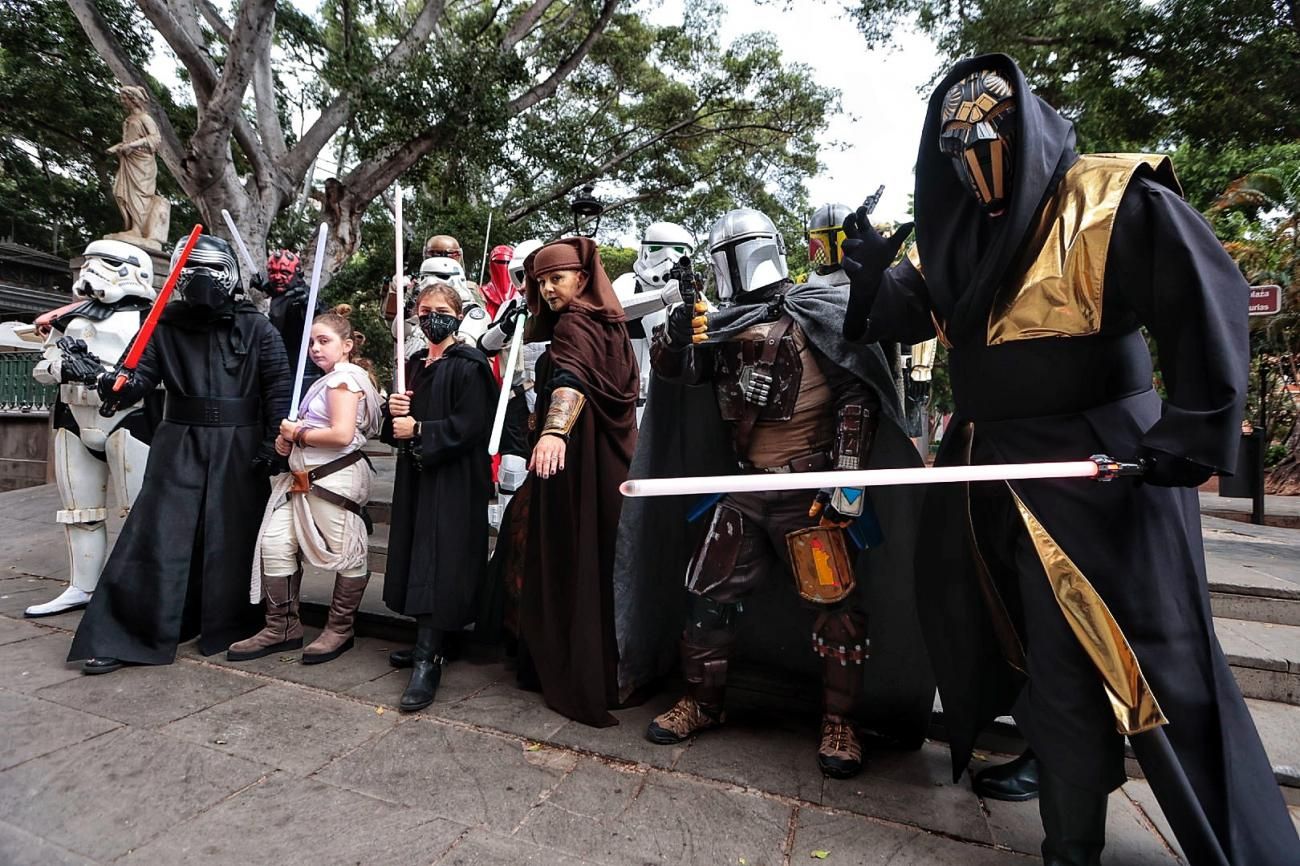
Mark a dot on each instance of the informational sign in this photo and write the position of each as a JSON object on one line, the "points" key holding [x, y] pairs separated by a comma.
{"points": [[1265, 300]]}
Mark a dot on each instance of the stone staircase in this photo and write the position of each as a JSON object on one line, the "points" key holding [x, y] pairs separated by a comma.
{"points": [[1254, 581]]}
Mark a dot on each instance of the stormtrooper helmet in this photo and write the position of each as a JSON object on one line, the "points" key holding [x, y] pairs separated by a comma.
{"points": [[114, 270], [523, 250], [662, 247]]}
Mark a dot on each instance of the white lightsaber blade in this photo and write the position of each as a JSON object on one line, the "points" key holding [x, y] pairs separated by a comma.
{"points": [[482, 268], [507, 377], [239, 242], [1099, 468], [399, 281], [312, 294]]}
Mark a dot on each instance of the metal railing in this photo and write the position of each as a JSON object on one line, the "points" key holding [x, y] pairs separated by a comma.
{"points": [[19, 392]]}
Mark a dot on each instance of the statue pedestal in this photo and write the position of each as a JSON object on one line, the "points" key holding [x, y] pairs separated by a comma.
{"points": [[162, 262]]}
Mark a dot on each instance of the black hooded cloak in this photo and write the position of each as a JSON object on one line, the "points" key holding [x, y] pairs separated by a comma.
{"points": [[682, 434], [437, 544], [1054, 394], [180, 566]]}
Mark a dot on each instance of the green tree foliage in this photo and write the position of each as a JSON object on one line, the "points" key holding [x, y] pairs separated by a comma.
{"points": [[60, 114], [1131, 73]]}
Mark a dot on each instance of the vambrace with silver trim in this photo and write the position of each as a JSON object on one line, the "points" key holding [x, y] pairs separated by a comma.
{"points": [[562, 414]]}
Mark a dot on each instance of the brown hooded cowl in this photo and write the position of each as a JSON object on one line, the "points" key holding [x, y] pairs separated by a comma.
{"points": [[566, 599]]}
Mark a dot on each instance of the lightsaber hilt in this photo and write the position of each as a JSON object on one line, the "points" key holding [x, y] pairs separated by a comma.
{"points": [[1109, 469]]}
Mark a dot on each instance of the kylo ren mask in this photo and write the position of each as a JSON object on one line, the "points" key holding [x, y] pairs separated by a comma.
{"points": [[976, 131]]}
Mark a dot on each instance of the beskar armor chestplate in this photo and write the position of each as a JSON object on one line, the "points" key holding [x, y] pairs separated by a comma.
{"points": [[741, 377]]}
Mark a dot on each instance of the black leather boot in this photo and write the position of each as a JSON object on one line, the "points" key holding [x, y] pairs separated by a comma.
{"points": [[1014, 781], [401, 658], [100, 665], [426, 669], [1074, 822]]}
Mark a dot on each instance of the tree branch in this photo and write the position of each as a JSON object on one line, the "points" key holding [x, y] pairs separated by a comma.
{"points": [[339, 110], [563, 189], [205, 80], [250, 35], [546, 89], [523, 24], [108, 47]]}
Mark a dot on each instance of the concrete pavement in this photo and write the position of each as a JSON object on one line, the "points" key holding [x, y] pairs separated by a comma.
{"points": [[275, 762]]}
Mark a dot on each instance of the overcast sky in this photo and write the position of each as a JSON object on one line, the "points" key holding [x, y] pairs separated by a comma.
{"points": [[881, 95]]}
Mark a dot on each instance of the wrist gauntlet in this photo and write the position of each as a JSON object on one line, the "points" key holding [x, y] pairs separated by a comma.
{"points": [[566, 405], [855, 428]]}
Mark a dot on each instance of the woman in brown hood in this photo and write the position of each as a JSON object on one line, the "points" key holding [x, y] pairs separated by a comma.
{"points": [[583, 435]]}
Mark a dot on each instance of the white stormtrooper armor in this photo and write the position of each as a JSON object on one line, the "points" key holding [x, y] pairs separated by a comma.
{"points": [[648, 291], [94, 452], [448, 272]]}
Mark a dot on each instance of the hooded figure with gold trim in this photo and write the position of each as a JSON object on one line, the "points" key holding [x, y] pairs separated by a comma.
{"points": [[1081, 605]]}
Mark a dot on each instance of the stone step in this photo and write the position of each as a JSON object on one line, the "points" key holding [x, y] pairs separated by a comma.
{"points": [[1265, 658]]}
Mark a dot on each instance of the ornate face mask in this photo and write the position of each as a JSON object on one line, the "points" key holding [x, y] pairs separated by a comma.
{"points": [[976, 128]]}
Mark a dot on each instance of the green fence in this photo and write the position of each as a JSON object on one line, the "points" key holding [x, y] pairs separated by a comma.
{"points": [[19, 392]]}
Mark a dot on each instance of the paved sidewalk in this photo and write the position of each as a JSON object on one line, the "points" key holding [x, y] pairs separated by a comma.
{"points": [[273, 762], [205, 762]]}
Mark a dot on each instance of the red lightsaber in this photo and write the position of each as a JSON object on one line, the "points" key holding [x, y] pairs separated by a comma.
{"points": [[151, 321]]}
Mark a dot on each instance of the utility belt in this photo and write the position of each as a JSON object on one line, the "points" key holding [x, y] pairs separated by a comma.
{"points": [[305, 482], [818, 461], [212, 411], [1047, 376]]}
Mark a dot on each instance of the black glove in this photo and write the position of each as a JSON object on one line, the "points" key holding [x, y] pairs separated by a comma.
{"points": [[1168, 470], [257, 282], [866, 255], [79, 364], [679, 329], [268, 463], [508, 316]]}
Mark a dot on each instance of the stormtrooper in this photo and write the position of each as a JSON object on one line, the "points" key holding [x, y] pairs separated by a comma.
{"points": [[445, 271], [91, 452], [649, 290]]}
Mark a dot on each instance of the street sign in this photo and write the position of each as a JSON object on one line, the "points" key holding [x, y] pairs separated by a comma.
{"points": [[1265, 300]]}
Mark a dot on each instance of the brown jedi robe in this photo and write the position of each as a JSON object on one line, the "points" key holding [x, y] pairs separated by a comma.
{"points": [[566, 604]]}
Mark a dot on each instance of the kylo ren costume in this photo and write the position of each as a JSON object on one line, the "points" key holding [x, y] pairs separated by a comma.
{"points": [[1081, 605], [181, 564]]}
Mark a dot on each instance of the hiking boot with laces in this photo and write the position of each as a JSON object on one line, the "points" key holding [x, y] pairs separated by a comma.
{"points": [[684, 719], [840, 755]]}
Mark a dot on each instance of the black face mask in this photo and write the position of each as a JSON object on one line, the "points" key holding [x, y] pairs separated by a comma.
{"points": [[438, 326]]}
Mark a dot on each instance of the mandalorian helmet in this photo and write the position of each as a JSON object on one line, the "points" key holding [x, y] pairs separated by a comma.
{"points": [[518, 276], [283, 268], [662, 247], [210, 277], [976, 130], [826, 235], [112, 271], [748, 253]]}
